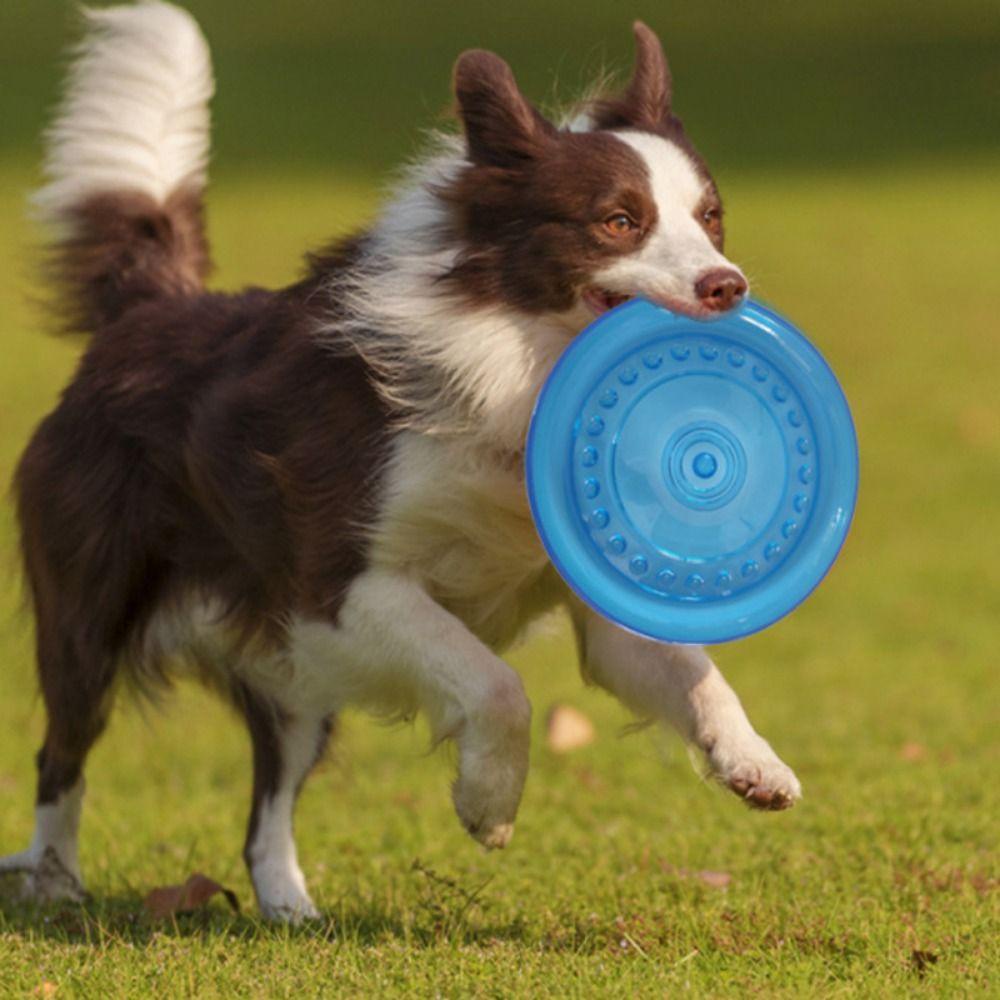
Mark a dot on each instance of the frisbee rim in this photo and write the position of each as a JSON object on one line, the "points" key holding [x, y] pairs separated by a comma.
{"points": [[725, 618]]}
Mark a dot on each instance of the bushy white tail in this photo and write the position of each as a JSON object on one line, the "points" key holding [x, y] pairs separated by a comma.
{"points": [[134, 116]]}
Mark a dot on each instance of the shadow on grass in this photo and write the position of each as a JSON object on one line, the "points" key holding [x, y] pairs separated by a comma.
{"points": [[447, 914], [442, 910], [121, 919]]}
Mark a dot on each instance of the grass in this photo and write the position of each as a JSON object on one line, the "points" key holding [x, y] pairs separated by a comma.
{"points": [[881, 691]]}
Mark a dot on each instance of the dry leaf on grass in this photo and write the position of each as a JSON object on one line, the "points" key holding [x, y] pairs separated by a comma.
{"points": [[567, 728], [45, 989], [170, 900], [913, 751], [717, 880]]}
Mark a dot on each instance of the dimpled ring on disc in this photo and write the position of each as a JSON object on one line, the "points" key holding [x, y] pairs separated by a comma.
{"points": [[692, 481]]}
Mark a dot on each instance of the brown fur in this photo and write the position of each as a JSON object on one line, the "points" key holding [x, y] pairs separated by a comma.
{"points": [[211, 444], [646, 102], [207, 442], [122, 248], [647, 105], [529, 208], [511, 256]]}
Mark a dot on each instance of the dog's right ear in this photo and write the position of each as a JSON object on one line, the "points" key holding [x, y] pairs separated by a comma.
{"points": [[502, 127], [646, 103]]}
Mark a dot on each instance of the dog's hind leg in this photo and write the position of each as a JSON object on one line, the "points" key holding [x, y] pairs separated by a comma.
{"points": [[286, 745], [682, 686], [82, 505], [76, 677]]}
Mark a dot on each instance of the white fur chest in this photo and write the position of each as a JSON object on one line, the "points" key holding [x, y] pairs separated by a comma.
{"points": [[457, 518]]}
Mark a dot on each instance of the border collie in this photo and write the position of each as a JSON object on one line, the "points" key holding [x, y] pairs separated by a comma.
{"points": [[314, 497]]}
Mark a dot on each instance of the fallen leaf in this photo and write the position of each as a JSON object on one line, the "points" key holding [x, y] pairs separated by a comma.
{"points": [[567, 728], [717, 880], [170, 900], [913, 751], [45, 989]]}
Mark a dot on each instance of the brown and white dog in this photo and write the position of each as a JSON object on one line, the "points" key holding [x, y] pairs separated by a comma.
{"points": [[315, 495]]}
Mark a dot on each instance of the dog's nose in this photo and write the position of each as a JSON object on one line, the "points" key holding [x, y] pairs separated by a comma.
{"points": [[720, 289]]}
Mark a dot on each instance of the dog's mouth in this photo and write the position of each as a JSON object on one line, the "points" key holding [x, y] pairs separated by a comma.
{"points": [[601, 300]]}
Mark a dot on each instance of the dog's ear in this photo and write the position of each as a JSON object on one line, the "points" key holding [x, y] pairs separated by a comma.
{"points": [[502, 128], [646, 103]]}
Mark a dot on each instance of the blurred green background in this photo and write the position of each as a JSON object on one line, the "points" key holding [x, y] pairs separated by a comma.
{"points": [[768, 85], [858, 148]]}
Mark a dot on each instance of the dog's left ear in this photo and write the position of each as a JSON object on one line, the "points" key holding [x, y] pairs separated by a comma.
{"points": [[646, 103], [502, 127]]}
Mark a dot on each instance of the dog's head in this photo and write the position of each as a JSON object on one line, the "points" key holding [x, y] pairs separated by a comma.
{"points": [[574, 221]]}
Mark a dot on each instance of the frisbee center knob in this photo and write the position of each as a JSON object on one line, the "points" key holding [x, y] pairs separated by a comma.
{"points": [[704, 465]]}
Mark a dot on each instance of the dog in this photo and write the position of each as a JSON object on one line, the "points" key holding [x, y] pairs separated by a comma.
{"points": [[314, 497]]}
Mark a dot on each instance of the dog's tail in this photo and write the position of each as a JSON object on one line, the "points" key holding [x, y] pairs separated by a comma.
{"points": [[126, 164]]}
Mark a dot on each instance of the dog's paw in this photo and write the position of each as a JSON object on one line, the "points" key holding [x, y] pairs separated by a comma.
{"points": [[494, 837], [281, 893], [488, 818], [292, 912], [755, 772], [287, 904], [44, 877], [485, 827], [487, 792]]}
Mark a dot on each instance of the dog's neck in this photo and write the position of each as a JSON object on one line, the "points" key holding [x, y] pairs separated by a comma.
{"points": [[445, 364]]}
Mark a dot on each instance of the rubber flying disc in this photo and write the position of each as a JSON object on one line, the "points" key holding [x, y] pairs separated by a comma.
{"points": [[692, 480]]}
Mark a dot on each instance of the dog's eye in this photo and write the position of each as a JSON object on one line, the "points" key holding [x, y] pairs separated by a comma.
{"points": [[619, 224], [711, 217]]}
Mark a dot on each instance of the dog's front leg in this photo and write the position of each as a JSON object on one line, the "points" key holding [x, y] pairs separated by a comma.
{"points": [[681, 685], [395, 650]]}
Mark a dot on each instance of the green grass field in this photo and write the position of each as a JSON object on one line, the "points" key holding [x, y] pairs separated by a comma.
{"points": [[867, 208], [881, 691]]}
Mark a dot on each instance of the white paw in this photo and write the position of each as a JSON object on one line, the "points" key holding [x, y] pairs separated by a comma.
{"points": [[751, 769], [289, 911], [282, 896], [45, 878], [487, 809]]}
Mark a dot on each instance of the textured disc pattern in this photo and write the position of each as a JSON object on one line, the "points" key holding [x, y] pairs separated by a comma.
{"points": [[692, 481]]}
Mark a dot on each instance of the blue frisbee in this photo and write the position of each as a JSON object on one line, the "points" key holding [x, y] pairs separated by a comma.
{"points": [[692, 481]]}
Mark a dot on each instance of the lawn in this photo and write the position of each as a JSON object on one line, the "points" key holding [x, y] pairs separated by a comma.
{"points": [[880, 691], [873, 224]]}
